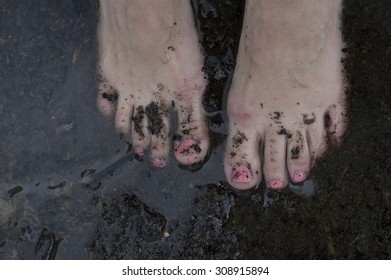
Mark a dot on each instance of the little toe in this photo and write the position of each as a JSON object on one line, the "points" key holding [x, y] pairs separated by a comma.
{"points": [[141, 137], [298, 157], [316, 138], [106, 99], [191, 142], [158, 113], [124, 115], [274, 166], [336, 121], [242, 164]]}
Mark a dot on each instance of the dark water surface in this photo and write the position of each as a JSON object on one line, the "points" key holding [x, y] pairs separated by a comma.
{"points": [[69, 188]]}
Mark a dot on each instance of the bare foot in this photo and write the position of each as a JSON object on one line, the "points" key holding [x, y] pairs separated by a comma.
{"points": [[151, 64], [287, 92]]}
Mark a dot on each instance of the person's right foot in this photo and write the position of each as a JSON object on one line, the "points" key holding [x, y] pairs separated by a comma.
{"points": [[151, 63], [287, 92]]}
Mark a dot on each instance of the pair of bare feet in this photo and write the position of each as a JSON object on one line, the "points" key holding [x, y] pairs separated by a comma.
{"points": [[285, 99]]}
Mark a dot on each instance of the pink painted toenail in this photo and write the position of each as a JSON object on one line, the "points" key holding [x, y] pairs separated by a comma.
{"points": [[276, 184], [241, 174], [188, 147], [300, 176], [158, 162], [139, 150]]}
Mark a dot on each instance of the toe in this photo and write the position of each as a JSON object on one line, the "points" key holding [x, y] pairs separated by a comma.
{"points": [[157, 113], [191, 142], [141, 138], [123, 115], [274, 160], [298, 157], [316, 137], [106, 99], [242, 164], [336, 121]]}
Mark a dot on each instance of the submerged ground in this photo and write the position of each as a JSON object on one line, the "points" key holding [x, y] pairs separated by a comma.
{"points": [[69, 188]]}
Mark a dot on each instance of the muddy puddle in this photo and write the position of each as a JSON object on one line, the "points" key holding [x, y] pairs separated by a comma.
{"points": [[70, 188]]}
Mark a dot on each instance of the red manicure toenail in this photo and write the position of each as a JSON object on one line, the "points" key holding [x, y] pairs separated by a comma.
{"points": [[241, 174], [276, 184], [300, 176]]}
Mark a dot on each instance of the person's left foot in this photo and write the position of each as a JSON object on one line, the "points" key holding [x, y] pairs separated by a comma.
{"points": [[151, 64]]}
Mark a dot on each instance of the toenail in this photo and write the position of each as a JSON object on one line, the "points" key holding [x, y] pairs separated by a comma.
{"points": [[300, 176], [158, 162], [139, 150], [276, 184], [241, 174], [188, 147]]}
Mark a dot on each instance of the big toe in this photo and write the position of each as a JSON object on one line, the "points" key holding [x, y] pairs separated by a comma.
{"points": [[191, 142], [242, 160]]}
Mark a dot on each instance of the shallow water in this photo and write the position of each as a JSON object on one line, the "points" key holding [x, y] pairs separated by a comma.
{"points": [[70, 189]]}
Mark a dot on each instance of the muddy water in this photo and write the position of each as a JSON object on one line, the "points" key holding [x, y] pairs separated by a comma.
{"points": [[70, 188]]}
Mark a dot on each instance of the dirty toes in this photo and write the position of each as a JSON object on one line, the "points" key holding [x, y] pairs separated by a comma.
{"points": [[158, 126], [191, 142], [336, 121], [298, 156], [274, 167], [242, 165], [141, 137], [107, 96], [123, 115]]}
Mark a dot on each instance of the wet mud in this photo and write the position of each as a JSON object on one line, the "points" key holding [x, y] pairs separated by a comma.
{"points": [[76, 192]]}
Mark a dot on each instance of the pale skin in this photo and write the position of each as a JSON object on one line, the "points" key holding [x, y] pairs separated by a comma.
{"points": [[150, 56], [288, 77]]}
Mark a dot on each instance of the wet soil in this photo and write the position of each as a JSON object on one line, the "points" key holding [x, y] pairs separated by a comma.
{"points": [[70, 188]]}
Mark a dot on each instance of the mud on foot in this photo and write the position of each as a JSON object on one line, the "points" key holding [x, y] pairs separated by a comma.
{"points": [[287, 92], [151, 65]]}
